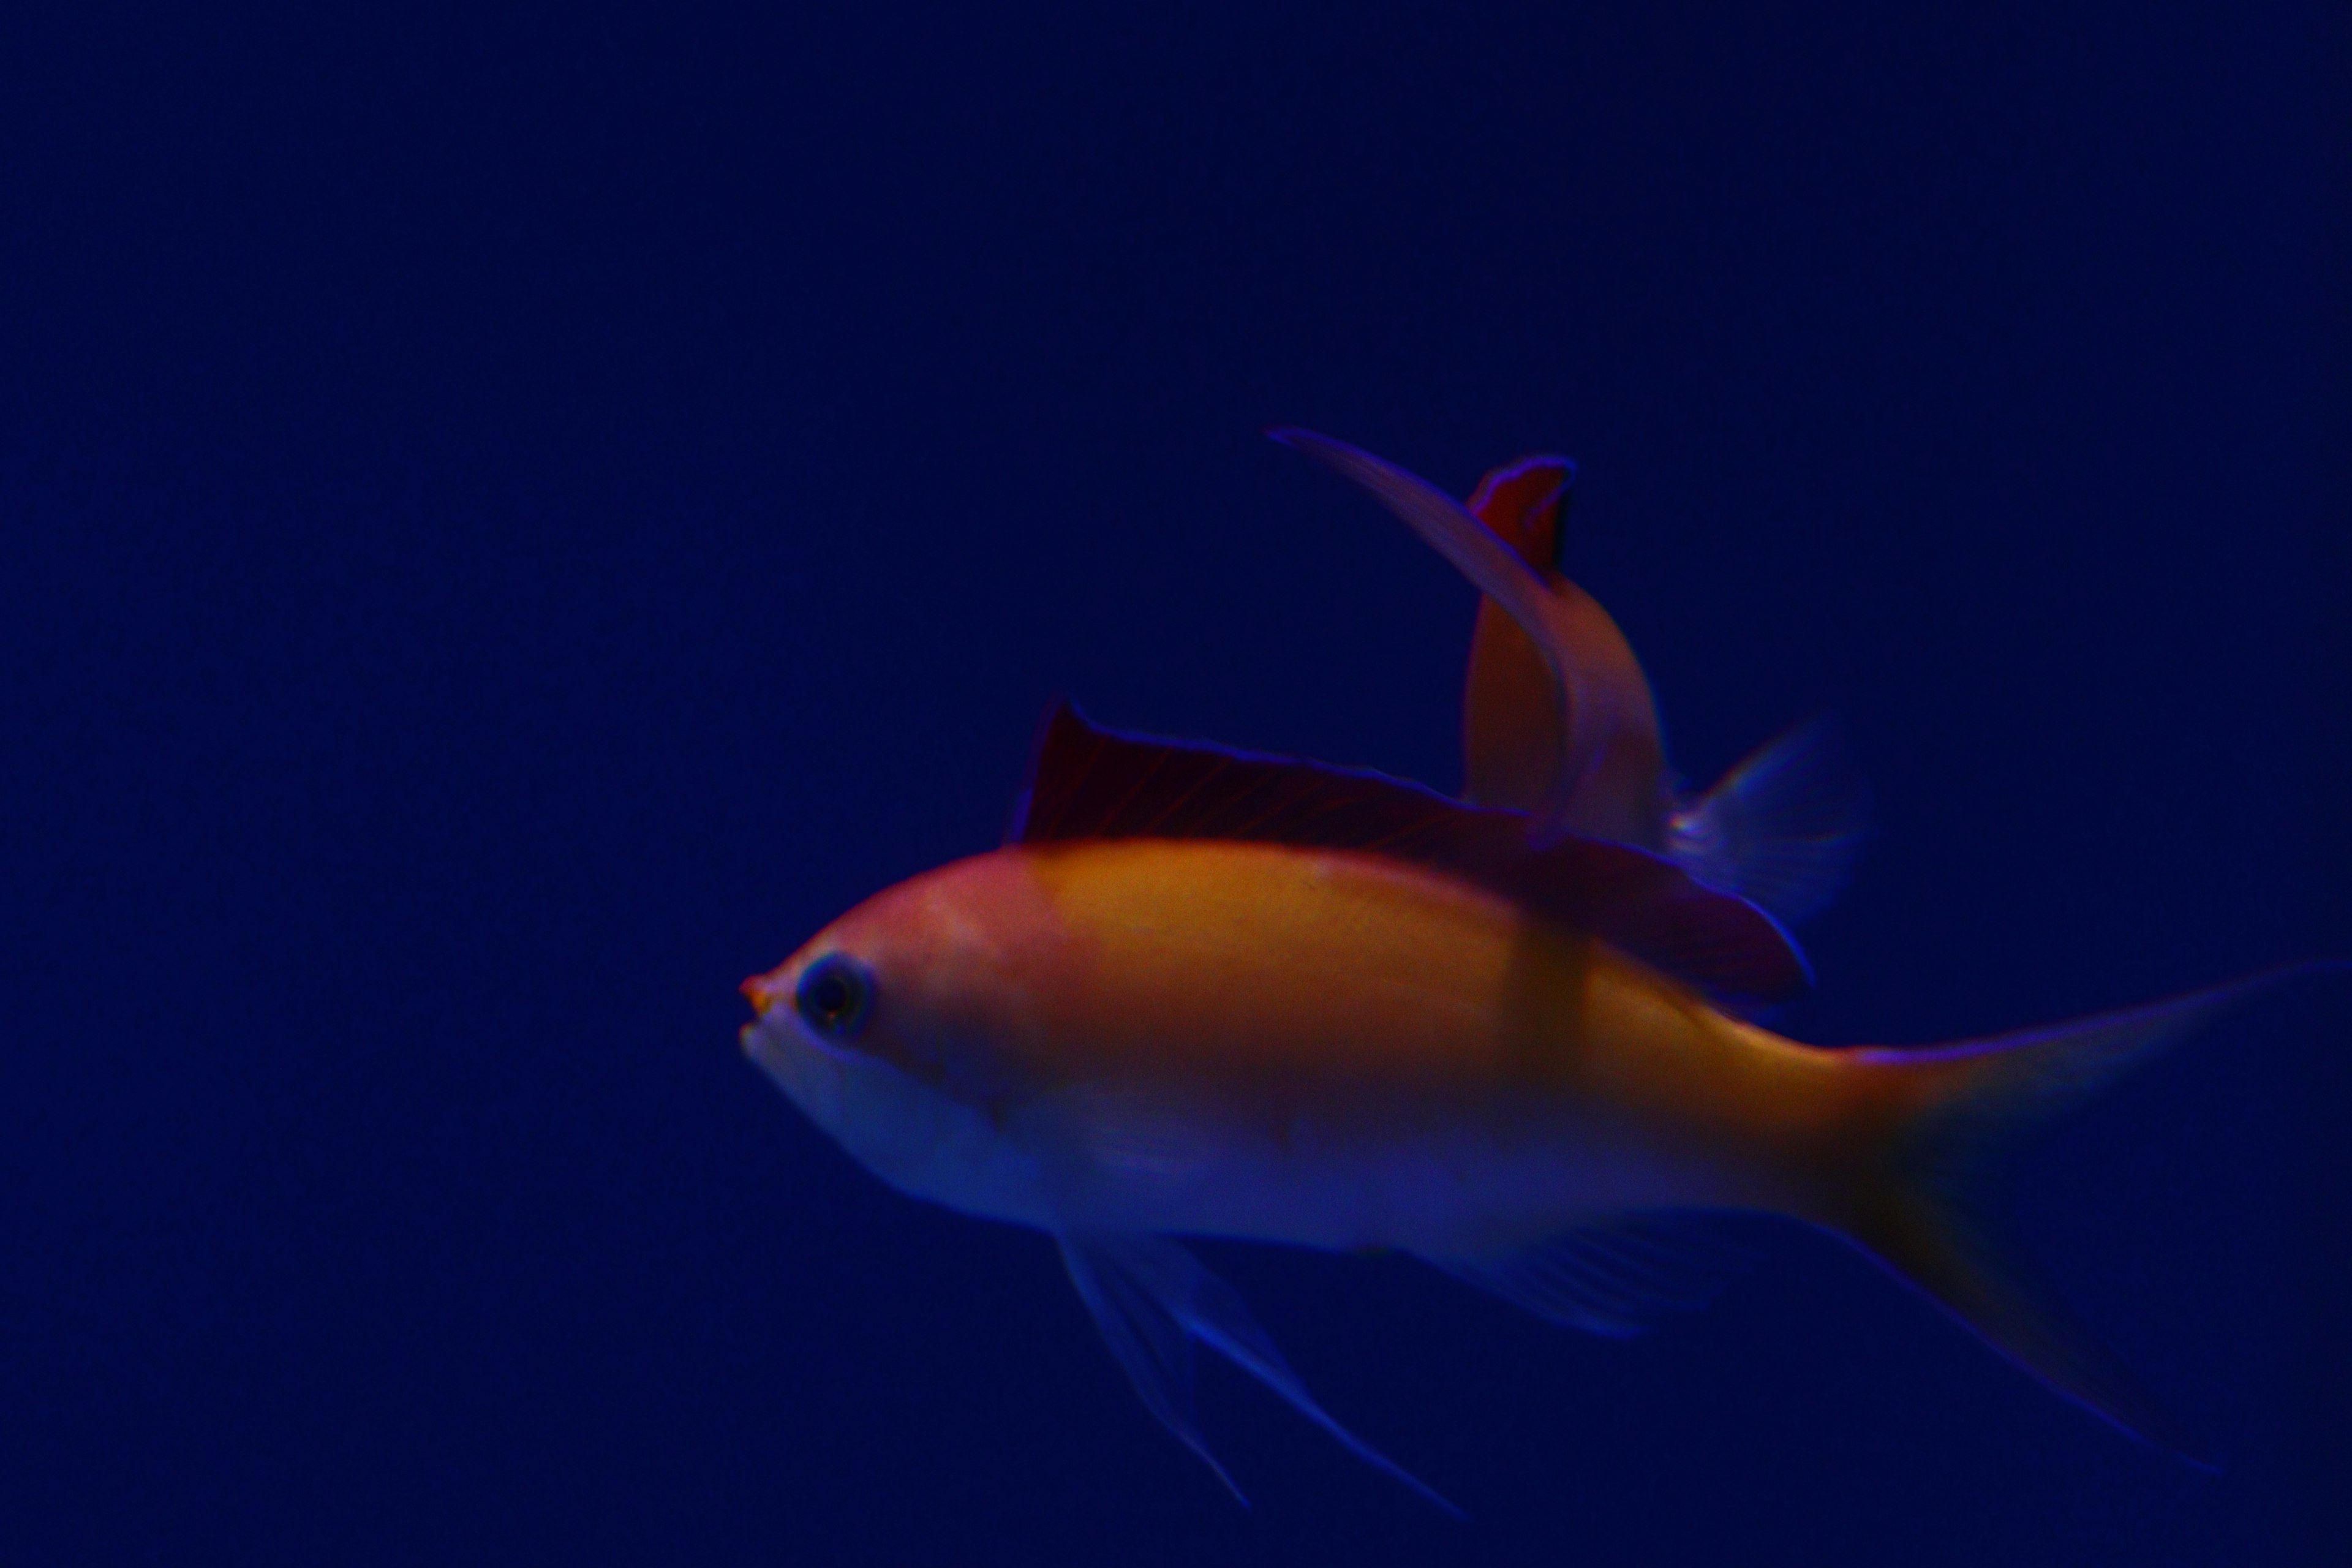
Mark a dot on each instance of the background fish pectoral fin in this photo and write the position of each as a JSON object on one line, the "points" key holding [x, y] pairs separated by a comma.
{"points": [[1152, 1298], [1615, 1277], [1782, 828]]}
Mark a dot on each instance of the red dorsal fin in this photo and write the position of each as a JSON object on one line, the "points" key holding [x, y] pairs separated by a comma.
{"points": [[1525, 502], [1091, 783]]}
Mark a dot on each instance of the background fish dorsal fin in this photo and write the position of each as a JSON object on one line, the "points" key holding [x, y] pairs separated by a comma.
{"points": [[1527, 503], [1088, 782]]}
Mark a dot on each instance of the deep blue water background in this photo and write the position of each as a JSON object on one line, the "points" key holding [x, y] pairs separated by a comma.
{"points": [[513, 521]]}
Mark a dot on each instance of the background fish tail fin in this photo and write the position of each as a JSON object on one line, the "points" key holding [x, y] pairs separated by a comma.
{"points": [[1927, 1203], [1782, 828], [1526, 503], [1498, 571]]}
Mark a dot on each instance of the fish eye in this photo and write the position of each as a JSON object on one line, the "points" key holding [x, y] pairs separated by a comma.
{"points": [[834, 995]]}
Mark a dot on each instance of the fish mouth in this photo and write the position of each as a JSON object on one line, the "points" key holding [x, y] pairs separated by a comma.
{"points": [[763, 991]]}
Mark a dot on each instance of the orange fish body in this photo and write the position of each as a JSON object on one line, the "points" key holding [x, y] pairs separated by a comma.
{"points": [[1322, 1047], [1207, 994], [1290, 1045]]}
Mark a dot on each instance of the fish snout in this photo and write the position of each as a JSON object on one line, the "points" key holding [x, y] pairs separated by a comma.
{"points": [[765, 991]]}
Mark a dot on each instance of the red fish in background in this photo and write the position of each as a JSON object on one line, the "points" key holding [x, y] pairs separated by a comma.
{"points": [[1557, 719], [1202, 992]]}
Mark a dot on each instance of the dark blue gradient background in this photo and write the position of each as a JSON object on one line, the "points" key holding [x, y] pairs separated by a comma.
{"points": [[514, 517]]}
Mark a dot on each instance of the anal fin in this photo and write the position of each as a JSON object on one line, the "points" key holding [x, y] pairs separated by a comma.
{"points": [[1617, 1277]]}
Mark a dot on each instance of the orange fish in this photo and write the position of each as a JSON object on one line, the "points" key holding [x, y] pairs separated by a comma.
{"points": [[1558, 718], [1202, 993]]}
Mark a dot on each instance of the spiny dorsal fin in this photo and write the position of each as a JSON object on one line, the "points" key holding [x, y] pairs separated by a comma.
{"points": [[1094, 784]]}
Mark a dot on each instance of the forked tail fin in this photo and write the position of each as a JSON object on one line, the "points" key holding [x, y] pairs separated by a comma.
{"points": [[1922, 1202]]}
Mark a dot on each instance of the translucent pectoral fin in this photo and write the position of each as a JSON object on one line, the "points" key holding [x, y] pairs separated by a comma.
{"points": [[1152, 1298], [1615, 1277]]}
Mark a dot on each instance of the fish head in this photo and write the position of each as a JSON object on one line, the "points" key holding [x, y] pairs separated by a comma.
{"points": [[898, 1029]]}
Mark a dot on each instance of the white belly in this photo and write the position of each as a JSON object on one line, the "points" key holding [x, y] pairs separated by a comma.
{"points": [[1129, 1161]]}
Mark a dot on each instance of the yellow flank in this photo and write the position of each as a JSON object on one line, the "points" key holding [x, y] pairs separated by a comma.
{"points": [[1324, 971]]}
